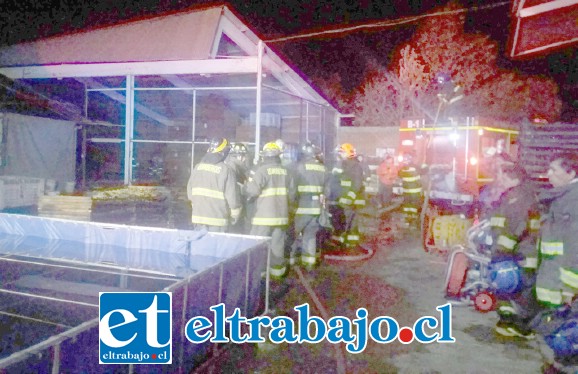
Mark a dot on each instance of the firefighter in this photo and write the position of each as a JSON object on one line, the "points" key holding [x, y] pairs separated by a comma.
{"points": [[514, 224], [491, 192], [237, 160], [310, 177], [412, 189], [557, 280], [288, 160], [344, 191], [450, 96], [272, 190], [213, 191], [387, 174], [286, 154]]}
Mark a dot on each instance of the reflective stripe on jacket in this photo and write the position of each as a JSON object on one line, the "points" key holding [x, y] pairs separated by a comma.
{"points": [[310, 175], [410, 180], [349, 187], [558, 244], [272, 188], [214, 194], [510, 222]]}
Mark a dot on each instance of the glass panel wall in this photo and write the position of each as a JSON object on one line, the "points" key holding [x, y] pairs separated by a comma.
{"points": [[102, 137], [177, 116], [313, 124], [329, 130], [173, 118], [294, 120]]}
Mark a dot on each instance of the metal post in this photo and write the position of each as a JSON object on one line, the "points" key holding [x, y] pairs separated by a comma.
{"points": [[301, 111], [188, 254], [56, 359], [322, 122], [307, 121], [129, 129], [83, 145], [83, 158], [258, 100], [194, 129], [221, 271], [183, 324], [267, 279], [247, 282], [123, 281], [335, 132]]}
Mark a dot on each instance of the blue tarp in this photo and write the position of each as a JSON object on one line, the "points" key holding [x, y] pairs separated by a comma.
{"points": [[215, 268], [168, 251]]}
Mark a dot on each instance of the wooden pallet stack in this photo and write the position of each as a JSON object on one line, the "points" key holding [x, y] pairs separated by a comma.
{"points": [[64, 206], [539, 142]]}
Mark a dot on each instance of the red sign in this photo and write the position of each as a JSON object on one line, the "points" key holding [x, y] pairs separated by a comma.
{"points": [[541, 26]]}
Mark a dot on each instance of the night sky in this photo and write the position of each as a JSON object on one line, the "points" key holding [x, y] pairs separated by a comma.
{"points": [[22, 20], [29, 19]]}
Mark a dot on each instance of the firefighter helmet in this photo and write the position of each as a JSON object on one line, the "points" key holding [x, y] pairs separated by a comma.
{"points": [[219, 145], [271, 149], [310, 150], [238, 149], [346, 150]]}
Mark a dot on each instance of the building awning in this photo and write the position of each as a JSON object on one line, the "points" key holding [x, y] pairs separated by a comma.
{"points": [[205, 41], [183, 36]]}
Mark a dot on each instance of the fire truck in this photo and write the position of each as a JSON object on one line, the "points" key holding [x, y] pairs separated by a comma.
{"points": [[456, 157]]}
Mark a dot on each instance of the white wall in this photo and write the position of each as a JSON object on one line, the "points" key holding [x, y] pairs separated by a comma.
{"points": [[38, 147], [367, 140]]}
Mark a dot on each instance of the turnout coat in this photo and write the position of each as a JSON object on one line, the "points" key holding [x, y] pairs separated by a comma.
{"points": [[558, 270], [214, 193], [272, 190]]}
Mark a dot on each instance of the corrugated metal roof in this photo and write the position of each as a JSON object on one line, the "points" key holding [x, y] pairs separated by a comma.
{"points": [[182, 36]]}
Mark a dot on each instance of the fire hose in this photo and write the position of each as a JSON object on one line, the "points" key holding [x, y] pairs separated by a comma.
{"points": [[368, 251], [339, 356]]}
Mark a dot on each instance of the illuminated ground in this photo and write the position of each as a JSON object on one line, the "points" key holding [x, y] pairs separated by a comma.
{"points": [[400, 281]]}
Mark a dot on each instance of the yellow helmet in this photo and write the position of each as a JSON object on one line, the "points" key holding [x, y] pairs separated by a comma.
{"points": [[271, 149], [219, 145], [346, 150]]}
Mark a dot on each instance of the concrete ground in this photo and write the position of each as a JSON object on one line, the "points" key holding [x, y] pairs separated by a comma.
{"points": [[477, 348], [402, 281]]}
